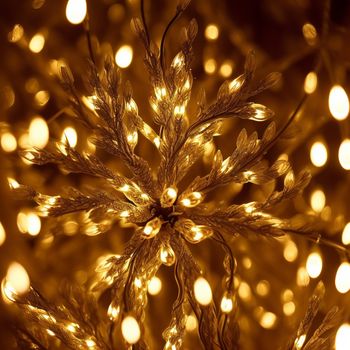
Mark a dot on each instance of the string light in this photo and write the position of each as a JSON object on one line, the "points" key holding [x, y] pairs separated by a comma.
{"points": [[318, 154], [299, 342], [2, 234], [123, 56], [338, 102], [310, 83], [210, 65], [69, 135], [211, 32], [202, 291], [38, 132], [346, 234], [76, 11], [314, 264], [191, 323], [8, 142], [16, 281], [303, 278], [268, 320], [342, 278], [167, 255], [226, 304], [152, 227], [344, 154], [290, 251], [37, 43], [168, 197], [131, 330], [318, 200], [342, 339], [113, 312], [191, 200], [154, 285]]}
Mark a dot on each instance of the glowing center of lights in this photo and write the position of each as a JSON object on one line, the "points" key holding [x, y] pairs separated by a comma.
{"points": [[342, 278], [123, 56], [17, 280], [318, 200], [76, 11], [131, 330], [314, 264], [38, 133], [318, 154], [342, 338], [338, 102], [344, 154], [202, 291], [154, 286], [346, 234]]}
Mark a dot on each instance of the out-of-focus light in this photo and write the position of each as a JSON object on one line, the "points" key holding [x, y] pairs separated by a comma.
{"points": [[317, 200], [37, 43], [131, 330], [41, 98], [226, 69], [226, 304], [268, 320], [346, 234], [38, 132], [310, 83], [290, 251], [211, 32], [8, 142], [289, 308], [202, 291], [244, 291], [318, 154], [33, 224], [314, 264], [342, 338], [299, 342], [303, 278], [310, 33], [154, 285], [69, 135], [16, 33], [17, 278], [116, 12], [8, 96], [76, 11], [263, 288], [344, 154], [342, 278], [2, 234], [123, 56], [210, 65], [191, 323], [338, 102]]}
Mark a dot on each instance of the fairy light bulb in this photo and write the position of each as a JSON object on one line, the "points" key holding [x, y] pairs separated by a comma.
{"points": [[211, 32], [318, 154], [152, 227], [344, 154], [168, 197], [16, 281], [191, 200], [2, 234], [310, 83], [346, 234], [342, 338], [268, 320], [123, 56], [314, 264], [236, 84], [38, 132], [198, 233], [318, 200], [154, 285], [69, 135], [37, 43], [131, 330], [76, 11], [8, 142], [167, 255], [338, 102], [113, 311], [299, 342], [290, 251], [226, 304], [202, 291], [342, 278], [33, 224]]}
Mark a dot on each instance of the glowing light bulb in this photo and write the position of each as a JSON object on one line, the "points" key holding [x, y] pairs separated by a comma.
{"points": [[8, 142], [314, 264], [211, 32], [346, 234], [191, 199], [290, 251], [33, 224], [303, 278], [318, 154], [154, 286], [167, 255], [38, 133], [37, 43], [17, 279], [342, 338], [168, 197], [76, 11], [299, 342], [113, 311], [226, 304], [152, 227], [289, 308], [191, 323], [268, 320], [210, 66], [344, 154], [123, 56], [202, 291], [338, 102], [342, 278], [69, 135], [2, 234], [131, 330], [318, 200], [310, 83], [236, 84], [226, 69]]}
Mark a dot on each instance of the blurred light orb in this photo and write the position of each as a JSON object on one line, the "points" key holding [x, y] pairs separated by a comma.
{"points": [[123, 56], [202, 291], [317, 200], [69, 135], [318, 154], [191, 323], [2, 234], [37, 43], [346, 234], [210, 66], [314, 264], [38, 132], [16, 33], [310, 83], [33, 224], [17, 278], [8, 142], [226, 69], [76, 11], [268, 320], [342, 278], [342, 339], [290, 251], [131, 330], [338, 102], [154, 285], [211, 32], [344, 154]]}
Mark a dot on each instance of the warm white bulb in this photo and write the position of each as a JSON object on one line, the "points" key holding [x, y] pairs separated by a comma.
{"points": [[344, 154], [318, 200], [338, 102], [38, 133], [154, 285], [202, 291], [131, 330], [342, 278], [76, 11], [314, 264], [318, 154], [69, 135], [346, 234], [342, 339], [123, 56], [17, 278]]}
